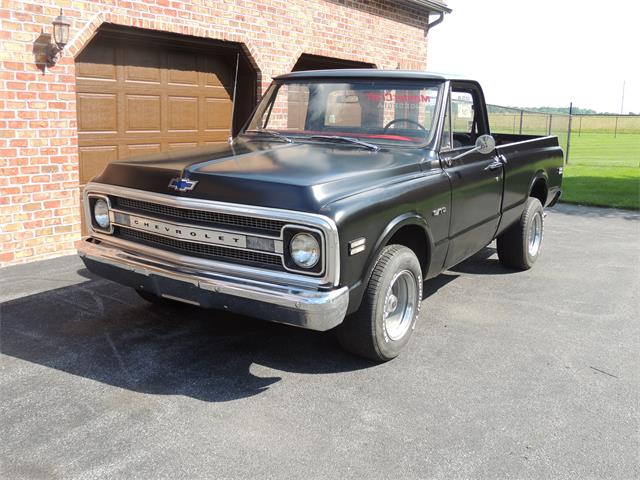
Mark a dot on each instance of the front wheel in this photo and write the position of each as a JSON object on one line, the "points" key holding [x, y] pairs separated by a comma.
{"points": [[519, 246], [387, 316]]}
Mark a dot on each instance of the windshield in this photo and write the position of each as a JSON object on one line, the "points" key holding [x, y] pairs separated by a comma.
{"points": [[380, 111]]}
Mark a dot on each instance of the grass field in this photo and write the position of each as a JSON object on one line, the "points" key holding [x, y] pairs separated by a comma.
{"points": [[603, 170]]}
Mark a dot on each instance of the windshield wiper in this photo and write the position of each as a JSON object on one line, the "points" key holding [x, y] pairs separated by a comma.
{"points": [[355, 141], [273, 133]]}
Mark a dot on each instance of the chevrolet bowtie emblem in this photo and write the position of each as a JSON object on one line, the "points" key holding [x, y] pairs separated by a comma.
{"points": [[182, 184]]}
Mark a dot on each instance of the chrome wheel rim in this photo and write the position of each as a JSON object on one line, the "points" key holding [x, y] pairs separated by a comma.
{"points": [[535, 235], [400, 304]]}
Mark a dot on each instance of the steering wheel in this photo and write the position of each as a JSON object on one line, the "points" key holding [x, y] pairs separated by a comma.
{"points": [[407, 120]]}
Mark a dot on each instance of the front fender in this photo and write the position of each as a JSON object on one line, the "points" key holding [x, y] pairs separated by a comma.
{"points": [[376, 215], [410, 218], [393, 227]]}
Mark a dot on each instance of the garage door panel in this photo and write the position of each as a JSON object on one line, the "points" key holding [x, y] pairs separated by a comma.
{"points": [[217, 136], [142, 64], [182, 69], [142, 113], [180, 146], [217, 113], [94, 159], [97, 112], [216, 72], [97, 63], [218, 92], [142, 149], [183, 113]]}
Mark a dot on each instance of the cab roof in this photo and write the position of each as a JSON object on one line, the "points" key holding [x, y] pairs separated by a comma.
{"points": [[369, 73]]}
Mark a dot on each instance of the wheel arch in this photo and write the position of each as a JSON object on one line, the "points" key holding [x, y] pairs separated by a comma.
{"points": [[410, 230], [539, 187]]}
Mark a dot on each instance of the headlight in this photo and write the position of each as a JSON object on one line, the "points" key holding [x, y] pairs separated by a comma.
{"points": [[305, 250], [101, 213]]}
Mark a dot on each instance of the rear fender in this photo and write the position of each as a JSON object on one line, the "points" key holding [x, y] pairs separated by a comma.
{"points": [[540, 175]]}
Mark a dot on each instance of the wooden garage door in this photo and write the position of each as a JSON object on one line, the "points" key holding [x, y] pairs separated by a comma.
{"points": [[137, 98]]}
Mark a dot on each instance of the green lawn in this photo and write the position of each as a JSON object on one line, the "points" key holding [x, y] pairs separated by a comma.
{"points": [[603, 170]]}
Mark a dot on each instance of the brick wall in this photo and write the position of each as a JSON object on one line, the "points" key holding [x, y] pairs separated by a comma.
{"points": [[39, 194]]}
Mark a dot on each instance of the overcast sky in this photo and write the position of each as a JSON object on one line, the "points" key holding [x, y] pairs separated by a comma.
{"points": [[544, 52]]}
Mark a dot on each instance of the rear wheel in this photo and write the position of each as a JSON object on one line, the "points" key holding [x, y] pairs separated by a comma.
{"points": [[387, 316], [519, 246]]}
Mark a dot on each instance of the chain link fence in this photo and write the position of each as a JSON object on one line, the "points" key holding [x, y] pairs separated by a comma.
{"points": [[520, 121]]}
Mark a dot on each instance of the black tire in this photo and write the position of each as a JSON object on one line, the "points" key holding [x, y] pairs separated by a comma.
{"points": [[514, 244], [159, 301], [366, 332]]}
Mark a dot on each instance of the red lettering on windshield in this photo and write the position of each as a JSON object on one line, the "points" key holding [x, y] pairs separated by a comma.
{"points": [[397, 98]]}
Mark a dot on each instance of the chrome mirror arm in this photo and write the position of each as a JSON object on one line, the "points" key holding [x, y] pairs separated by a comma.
{"points": [[464, 154], [485, 144]]}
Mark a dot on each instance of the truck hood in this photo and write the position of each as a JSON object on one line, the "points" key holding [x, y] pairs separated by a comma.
{"points": [[296, 176]]}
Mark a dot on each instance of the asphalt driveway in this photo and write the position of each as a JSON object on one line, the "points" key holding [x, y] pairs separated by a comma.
{"points": [[508, 375]]}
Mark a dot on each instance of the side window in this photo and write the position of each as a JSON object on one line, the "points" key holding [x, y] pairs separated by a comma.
{"points": [[463, 112], [446, 141], [468, 120]]}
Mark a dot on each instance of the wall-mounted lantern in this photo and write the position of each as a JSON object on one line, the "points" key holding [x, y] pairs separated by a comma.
{"points": [[61, 26]]}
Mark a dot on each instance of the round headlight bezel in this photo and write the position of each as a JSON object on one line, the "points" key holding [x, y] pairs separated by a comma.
{"points": [[310, 256], [101, 219]]}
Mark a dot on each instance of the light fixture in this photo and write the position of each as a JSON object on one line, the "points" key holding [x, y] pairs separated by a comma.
{"points": [[305, 250], [61, 26], [101, 213]]}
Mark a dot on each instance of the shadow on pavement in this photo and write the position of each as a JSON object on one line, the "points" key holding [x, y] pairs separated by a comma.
{"points": [[432, 285], [103, 331], [482, 263]]}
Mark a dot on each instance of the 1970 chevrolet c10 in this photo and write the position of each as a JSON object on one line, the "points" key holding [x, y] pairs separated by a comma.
{"points": [[342, 193]]}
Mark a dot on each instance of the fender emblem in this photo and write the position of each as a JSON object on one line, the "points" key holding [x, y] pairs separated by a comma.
{"points": [[439, 211], [182, 184]]}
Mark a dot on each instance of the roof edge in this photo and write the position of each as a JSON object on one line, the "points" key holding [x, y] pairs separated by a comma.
{"points": [[430, 5], [368, 73]]}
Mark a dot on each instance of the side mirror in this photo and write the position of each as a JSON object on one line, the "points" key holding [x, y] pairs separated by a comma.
{"points": [[484, 144]]}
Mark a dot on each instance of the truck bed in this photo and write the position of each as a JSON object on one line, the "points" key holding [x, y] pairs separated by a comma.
{"points": [[528, 158], [508, 138]]}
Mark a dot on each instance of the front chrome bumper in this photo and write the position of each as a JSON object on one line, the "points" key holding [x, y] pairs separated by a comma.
{"points": [[300, 306]]}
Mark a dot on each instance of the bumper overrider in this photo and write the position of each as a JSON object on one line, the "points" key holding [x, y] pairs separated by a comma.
{"points": [[316, 303]]}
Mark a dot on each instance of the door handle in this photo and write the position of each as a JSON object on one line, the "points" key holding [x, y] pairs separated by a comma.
{"points": [[494, 165]]}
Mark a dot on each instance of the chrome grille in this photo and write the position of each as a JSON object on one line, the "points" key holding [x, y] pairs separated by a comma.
{"points": [[273, 262], [263, 225]]}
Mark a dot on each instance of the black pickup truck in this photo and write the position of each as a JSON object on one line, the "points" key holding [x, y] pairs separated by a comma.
{"points": [[344, 191]]}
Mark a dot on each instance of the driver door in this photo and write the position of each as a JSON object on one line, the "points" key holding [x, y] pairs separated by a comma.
{"points": [[476, 179]]}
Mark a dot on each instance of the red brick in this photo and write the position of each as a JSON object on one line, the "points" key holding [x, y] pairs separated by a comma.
{"points": [[6, 257], [31, 207], [26, 76], [30, 188], [40, 178]]}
